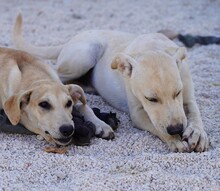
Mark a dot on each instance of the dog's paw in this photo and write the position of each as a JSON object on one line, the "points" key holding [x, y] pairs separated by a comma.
{"points": [[104, 131], [197, 139], [177, 145]]}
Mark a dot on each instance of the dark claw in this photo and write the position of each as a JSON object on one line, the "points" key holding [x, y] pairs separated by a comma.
{"points": [[100, 134], [199, 150], [193, 145], [111, 136]]}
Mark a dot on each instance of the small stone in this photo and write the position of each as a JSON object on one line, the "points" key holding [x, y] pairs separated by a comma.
{"points": [[40, 138], [61, 175]]}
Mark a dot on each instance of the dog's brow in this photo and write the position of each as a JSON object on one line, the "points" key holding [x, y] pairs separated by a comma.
{"points": [[151, 94]]}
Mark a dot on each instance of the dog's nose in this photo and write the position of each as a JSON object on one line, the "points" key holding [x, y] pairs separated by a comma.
{"points": [[175, 129], [66, 130]]}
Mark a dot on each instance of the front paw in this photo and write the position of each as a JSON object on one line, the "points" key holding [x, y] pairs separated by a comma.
{"points": [[177, 145], [197, 138], [104, 131]]}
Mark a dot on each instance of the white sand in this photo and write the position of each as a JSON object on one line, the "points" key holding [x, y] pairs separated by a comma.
{"points": [[135, 160]]}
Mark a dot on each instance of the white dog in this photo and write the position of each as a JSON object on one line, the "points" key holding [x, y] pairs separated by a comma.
{"points": [[145, 75]]}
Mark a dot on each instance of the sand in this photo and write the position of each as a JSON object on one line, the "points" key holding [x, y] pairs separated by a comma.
{"points": [[134, 160]]}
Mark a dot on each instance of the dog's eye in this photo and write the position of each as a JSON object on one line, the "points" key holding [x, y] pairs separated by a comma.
{"points": [[69, 104], [151, 99], [45, 105]]}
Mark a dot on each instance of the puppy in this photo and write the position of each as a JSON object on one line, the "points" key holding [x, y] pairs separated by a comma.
{"points": [[31, 93], [145, 75]]}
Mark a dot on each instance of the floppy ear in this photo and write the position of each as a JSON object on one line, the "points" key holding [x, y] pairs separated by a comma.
{"points": [[178, 53], [13, 104], [124, 63], [76, 93]]}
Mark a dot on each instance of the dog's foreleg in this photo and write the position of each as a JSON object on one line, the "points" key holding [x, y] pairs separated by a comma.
{"points": [[194, 132], [103, 130]]}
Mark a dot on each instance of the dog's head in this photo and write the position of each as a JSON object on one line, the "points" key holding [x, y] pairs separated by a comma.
{"points": [[154, 79], [46, 110]]}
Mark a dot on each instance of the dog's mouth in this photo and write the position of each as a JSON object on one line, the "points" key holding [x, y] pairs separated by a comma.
{"points": [[63, 141]]}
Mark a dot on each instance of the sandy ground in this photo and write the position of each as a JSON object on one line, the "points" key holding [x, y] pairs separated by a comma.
{"points": [[135, 160]]}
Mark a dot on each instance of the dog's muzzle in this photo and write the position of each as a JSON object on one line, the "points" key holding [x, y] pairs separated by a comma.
{"points": [[66, 131], [175, 129]]}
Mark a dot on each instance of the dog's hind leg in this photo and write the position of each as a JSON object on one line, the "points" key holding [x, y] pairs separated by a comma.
{"points": [[76, 59]]}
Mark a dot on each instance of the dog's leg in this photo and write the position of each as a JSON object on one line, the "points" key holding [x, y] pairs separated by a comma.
{"points": [[194, 132], [103, 130], [76, 59]]}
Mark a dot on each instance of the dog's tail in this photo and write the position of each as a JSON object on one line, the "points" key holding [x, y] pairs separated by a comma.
{"points": [[20, 43]]}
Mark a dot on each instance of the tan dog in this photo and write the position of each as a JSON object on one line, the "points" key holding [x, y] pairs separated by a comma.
{"points": [[145, 75], [32, 94]]}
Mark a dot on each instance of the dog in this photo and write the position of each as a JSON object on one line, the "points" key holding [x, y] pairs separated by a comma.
{"points": [[146, 75], [31, 93]]}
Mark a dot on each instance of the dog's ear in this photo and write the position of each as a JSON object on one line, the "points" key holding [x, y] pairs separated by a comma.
{"points": [[178, 53], [124, 64], [13, 104], [77, 93]]}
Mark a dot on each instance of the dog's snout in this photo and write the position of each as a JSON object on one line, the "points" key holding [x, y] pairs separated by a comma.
{"points": [[66, 130], [175, 129]]}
